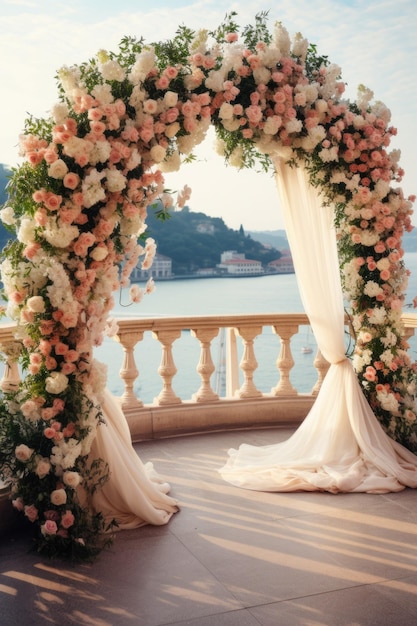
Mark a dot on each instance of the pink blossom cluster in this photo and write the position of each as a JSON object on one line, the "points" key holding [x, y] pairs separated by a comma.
{"points": [[54, 522]]}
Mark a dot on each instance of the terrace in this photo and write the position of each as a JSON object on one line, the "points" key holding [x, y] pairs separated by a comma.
{"points": [[230, 556]]}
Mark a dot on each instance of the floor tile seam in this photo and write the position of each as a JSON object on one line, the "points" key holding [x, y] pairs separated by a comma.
{"points": [[312, 595], [377, 553], [213, 615], [393, 597], [214, 576]]}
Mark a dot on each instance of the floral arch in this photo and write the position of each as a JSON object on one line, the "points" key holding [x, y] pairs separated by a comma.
{"points": [[78, 205]]}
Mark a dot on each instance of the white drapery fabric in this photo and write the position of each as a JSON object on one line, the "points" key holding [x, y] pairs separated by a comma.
{"points": [[340, 446], [135, 494]]}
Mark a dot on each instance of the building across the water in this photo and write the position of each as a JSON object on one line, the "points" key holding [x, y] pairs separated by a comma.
{"points": [[283, 265], [235, 264]]}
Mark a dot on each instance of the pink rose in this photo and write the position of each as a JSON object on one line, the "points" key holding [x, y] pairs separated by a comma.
{"points": [[67, 520], [71, 180], [31, 512], [58, 405], [61, 348], [162, 82], [51, 515], [49, 528], [53, 201], [68, 368], [146, 134], [171, 72], [50, 363], [231, 37], [49, 433], [150, 106], [18, 504]]}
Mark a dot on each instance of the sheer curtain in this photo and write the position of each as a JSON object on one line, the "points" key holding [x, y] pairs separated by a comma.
{"points": [[340, 446]]}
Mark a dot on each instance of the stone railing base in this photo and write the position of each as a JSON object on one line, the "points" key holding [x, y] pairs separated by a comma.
{"points": [[153, 422]]}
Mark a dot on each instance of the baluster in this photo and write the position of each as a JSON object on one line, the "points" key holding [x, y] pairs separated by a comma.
{"points": [[322, 367], [205, 367], [11, 376], [248, 364], [129, 372], [285, 361], [232, 372], [167, 369]]}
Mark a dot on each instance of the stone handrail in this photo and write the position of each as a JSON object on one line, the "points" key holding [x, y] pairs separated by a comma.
{"points": [[167, 330], [242, 405]]}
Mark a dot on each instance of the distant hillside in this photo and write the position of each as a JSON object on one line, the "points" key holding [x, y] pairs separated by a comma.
{"points": [[278, 239], [274, 238], [195, 241]]}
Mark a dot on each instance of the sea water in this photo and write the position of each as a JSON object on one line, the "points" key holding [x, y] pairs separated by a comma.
{"points": [[220, 296]]}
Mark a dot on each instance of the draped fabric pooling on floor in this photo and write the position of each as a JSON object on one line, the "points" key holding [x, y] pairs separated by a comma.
{"points": [[340, 446]]}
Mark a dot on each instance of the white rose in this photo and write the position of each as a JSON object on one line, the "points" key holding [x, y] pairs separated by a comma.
{"points": [[111, 70], [158, 154], [226, 111], [261, 75], [56, 383], [116, 181], [36, 304], [231, 125], [59, 112], [26, 232], [99, 253], [272, 125], [170, 98], [7, 216], [58, 169], [58, 497], [72, 479], [383, 264], [172, 129], [60, 236]]}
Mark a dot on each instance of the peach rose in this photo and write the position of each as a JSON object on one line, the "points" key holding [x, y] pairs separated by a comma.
{"points": [[23, 452], [58, 497]]}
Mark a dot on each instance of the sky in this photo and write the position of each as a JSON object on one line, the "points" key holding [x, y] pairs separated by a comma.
{"points": [[373, 41]]}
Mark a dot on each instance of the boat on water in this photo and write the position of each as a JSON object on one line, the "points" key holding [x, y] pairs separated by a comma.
{"points": [[307, 349]]}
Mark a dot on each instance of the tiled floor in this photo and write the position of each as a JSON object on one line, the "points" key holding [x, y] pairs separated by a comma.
{"points": [[231, 556]]}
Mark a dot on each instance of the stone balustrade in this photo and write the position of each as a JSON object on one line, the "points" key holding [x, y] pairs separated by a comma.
{"points": [[242, 405]]}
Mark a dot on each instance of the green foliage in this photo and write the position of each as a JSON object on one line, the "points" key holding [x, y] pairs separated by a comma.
{"points": [[174, 51], [254, 33], [314, 61], [229, 25]]}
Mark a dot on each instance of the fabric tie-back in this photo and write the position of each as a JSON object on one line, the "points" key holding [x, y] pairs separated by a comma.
{"points": [[340, 446]]}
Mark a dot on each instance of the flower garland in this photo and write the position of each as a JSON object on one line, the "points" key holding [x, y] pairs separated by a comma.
{"points": [[78, 204]]}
